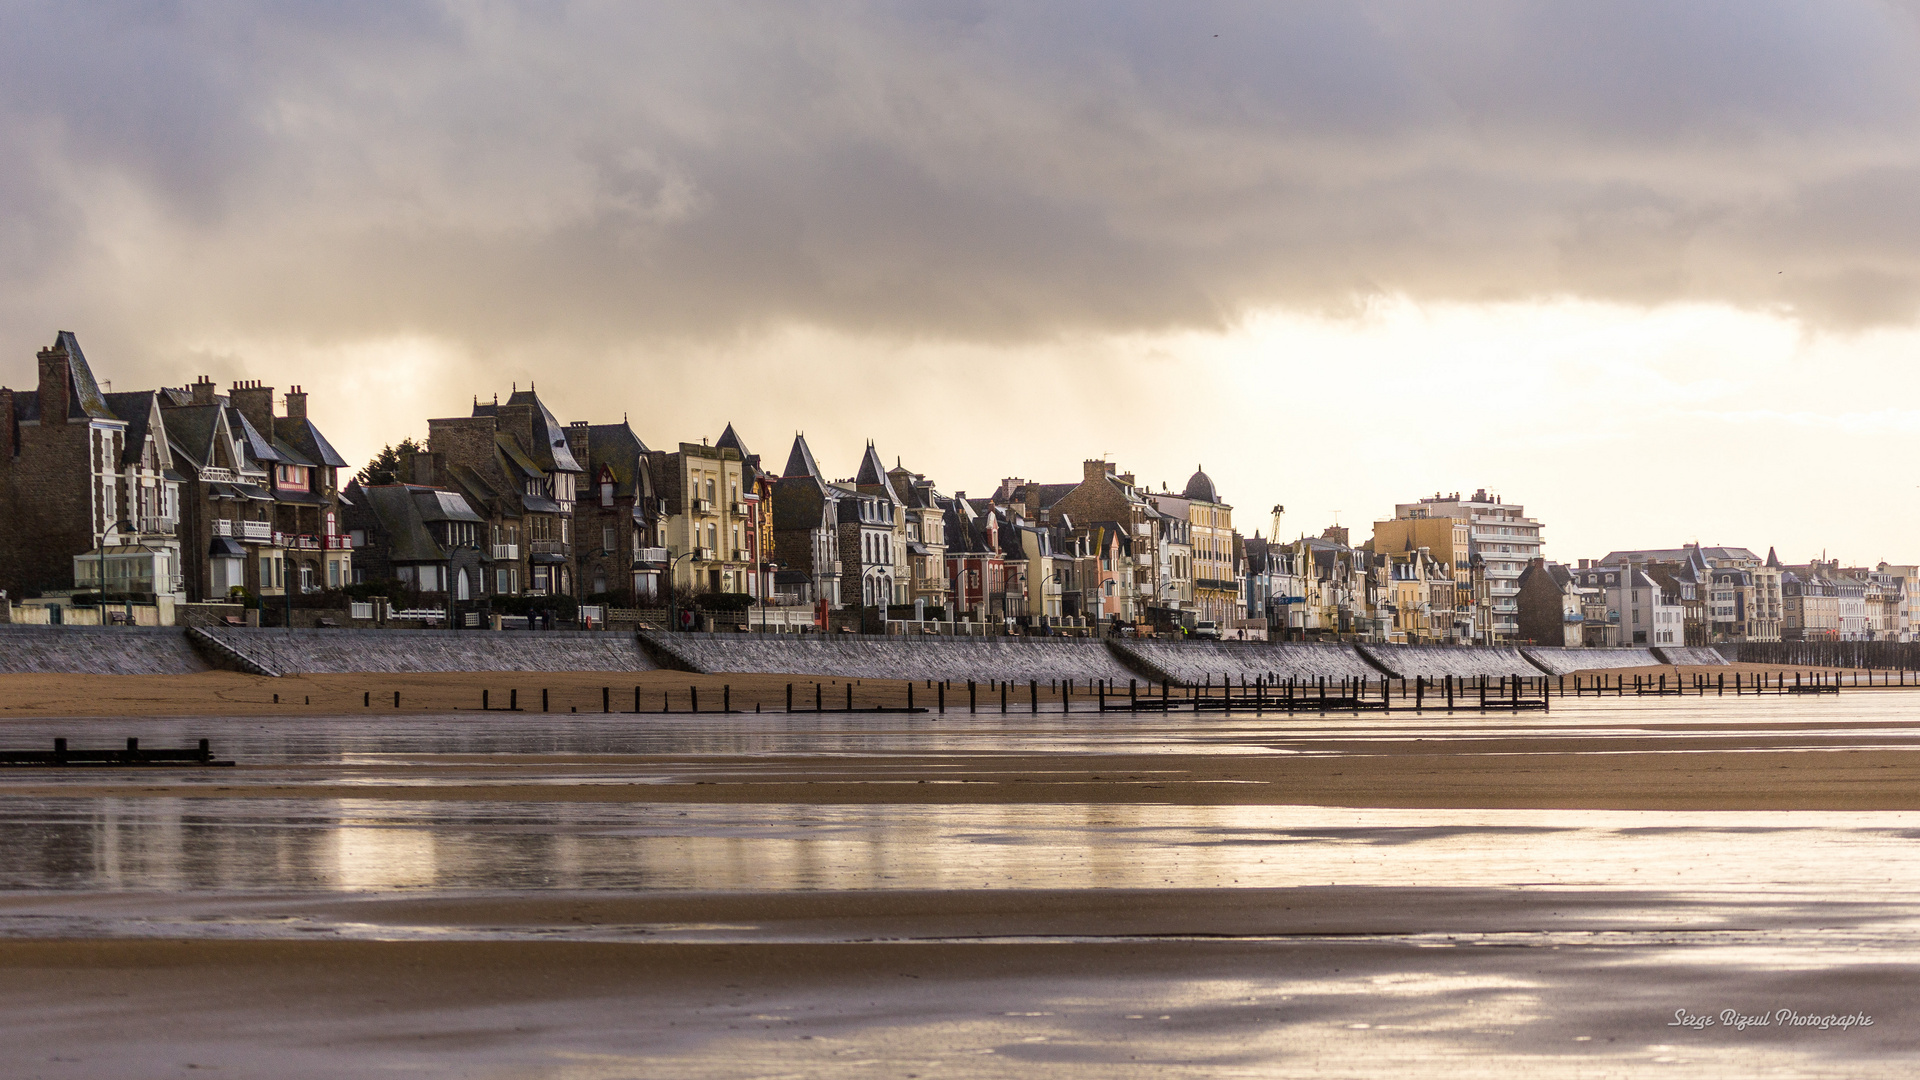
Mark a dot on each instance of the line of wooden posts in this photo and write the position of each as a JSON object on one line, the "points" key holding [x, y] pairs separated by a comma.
{"points": [[1348, 694]]}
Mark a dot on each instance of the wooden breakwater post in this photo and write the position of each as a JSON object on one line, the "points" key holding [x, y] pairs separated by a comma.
{"points": [[973, 702], [606, 699], [789, 697], [1033, 695]]}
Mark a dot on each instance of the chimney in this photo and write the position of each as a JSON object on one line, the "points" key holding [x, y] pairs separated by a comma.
{"points": [[202, 392], [579, 440], [1093, 470], [55, 398], [255, 402], [1586, 564], [296, 403], [6, 426]]}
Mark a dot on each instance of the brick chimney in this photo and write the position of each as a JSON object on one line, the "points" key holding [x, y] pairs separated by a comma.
{"points": [[579, 440], [296, 403], [255, 402], [1091, 470], [203, 391], [55, 398]]}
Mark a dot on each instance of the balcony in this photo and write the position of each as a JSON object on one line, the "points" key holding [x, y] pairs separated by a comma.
{"points": [[738, 509], [742, 555], [703, 506], [653, 556], [224, 527], [548, 547], [297, 541], [705, 555], [508, 552]]}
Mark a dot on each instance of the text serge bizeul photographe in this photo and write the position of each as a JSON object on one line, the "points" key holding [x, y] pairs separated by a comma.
{"points": [[1787, 1018]]}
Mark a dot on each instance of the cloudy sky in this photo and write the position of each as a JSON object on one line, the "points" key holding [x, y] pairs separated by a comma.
{"points": [[1652, 270]]}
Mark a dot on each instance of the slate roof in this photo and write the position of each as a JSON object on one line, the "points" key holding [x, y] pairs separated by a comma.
{"points": [[873, 474], [800, 461], [1200, 487], [191, 430], [257, 445], [549, 447], [136, 408], [406, 535], [303, 436]]}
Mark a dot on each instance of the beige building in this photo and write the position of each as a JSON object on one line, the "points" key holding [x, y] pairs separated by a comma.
{"points": [[1216, 575], [708, 517]]}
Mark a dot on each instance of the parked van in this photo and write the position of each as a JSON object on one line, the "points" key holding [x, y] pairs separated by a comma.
{"points": [[1208, 629]]}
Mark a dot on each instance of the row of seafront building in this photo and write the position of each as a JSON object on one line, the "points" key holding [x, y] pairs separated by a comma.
{"points": [[176, 498]]}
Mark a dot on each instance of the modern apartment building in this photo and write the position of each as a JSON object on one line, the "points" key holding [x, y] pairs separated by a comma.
{"points": [[1501, 534]]}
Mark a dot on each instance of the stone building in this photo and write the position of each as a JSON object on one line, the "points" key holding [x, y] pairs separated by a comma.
{"points": [[1550, 606], [1216, 578], [512, 463], [86, 478], [757, 494], [620, 521], [806, 531], [429, 539], [976, 573]]}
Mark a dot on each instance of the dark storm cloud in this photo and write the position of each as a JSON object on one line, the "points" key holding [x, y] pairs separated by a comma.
{"points": [[597, 173]]}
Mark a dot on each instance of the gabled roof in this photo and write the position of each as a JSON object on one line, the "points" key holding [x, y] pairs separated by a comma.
{"points": [[257, 445], [510, 449], [617, 450], [407, 537], [873, 474], [730, 440], [303, 436], [137, 409], [192, 429]]}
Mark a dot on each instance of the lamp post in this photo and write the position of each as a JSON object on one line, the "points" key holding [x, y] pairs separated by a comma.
{"points": [[105, 532], [766, 592], [672, 568]]}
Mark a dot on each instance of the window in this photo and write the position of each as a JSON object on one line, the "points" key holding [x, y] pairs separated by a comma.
{"points": [[606, 543], [500, 581]]}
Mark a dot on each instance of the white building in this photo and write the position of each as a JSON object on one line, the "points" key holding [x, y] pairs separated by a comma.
{"points": [[1504, 537], [1639, 611]]}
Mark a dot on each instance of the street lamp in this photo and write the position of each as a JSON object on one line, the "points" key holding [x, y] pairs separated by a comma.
{"points": [[766, 592], [672, 567], [110, 528]]}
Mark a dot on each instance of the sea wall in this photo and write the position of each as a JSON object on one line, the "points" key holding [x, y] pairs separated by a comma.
{"points": [[97, 650], [288, 652], [1568, 661], [1689, 655], [1198, 662], [1439, 661], [853, 656]]}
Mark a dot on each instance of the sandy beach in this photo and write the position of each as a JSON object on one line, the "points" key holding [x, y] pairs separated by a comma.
{"points": [[440, 890]]}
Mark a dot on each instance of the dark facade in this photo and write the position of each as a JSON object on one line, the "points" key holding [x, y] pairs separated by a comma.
{"points": [[619, 517]]}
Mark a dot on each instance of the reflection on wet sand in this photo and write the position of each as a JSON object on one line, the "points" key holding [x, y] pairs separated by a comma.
{"points": [[598, 897]]}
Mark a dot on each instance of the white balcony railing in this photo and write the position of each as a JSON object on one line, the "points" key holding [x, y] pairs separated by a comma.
{"points": [[224, 527], [547, 547], [256, 530], [703, 506], [738, 509], [653, 556], [506, 551], [705, 554], [742, 555]]}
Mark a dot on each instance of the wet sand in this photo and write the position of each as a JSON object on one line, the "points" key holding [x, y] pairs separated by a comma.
{"points": [[582, 895]]}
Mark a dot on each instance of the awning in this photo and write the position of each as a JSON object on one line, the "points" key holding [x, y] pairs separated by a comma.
{"points": [[539, 504], [224, 548], [546, 559], [258, 494]]}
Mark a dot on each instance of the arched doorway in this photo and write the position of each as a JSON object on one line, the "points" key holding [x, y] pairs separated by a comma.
{"points": [[460, 587]]}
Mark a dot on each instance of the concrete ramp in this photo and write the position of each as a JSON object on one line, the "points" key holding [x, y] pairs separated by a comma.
{"points": [[1440, 661], [1690, 655], [851, 656], [1194, 663], [291, 652], [1568, 661], [97, 650]]}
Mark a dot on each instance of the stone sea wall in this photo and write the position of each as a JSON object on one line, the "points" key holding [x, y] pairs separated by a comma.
{"points": [[1197, 662], [1568, 661], [851, 656], [1439, 661], [289, 652], [1689, 655], [97, 650]]}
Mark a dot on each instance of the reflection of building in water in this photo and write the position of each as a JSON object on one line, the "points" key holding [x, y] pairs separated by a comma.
{"points": [[383, 857]]}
